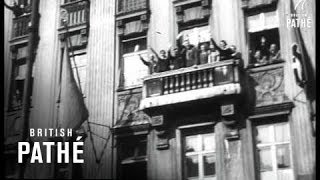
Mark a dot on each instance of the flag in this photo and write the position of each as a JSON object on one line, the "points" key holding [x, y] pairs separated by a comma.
{"points": [[73, 111]]}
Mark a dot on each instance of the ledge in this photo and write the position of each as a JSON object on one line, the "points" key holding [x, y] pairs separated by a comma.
{"points": [[126, 15], [184, 2]]}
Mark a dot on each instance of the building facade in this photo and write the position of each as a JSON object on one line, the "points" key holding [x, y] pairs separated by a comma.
{"points": [[247, 117]]}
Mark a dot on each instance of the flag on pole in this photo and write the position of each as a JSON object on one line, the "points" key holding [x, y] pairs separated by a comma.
{"points": [[73, 111]]}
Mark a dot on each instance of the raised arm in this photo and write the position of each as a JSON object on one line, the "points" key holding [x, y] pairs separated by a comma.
{"points": [[144, 61], [7, 6], [154, 52], [215, 44]]}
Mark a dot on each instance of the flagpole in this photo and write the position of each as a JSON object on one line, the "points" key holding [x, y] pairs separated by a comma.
{"points": [[74, 62], [32, 42], [307, 78]]}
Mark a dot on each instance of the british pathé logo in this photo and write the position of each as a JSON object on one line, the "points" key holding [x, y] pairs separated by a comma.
{"points": [[299, 17]]}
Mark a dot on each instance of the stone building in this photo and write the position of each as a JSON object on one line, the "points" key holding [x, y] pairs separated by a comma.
{"points": [[241, 118]]}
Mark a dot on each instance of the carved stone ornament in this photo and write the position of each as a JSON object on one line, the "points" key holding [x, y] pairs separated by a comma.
{"points": [[162, 139], [269, 87], [227, 109], [128, 108]]}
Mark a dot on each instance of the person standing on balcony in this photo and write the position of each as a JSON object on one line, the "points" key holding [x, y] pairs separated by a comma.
{"points": [[151, 63], [204, 53], [224, 51], [214, 55], [177, 55], [162, 60], [235, 54], [156, 63], [191, 54]]}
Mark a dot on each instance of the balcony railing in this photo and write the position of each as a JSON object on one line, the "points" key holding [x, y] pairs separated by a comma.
{"points": [[128, 6], [78, 12], [21, 26], [187, 84]]}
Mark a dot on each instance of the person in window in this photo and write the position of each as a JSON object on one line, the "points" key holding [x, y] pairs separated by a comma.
{"points": [[274, 53], [259, 59], [235, 53], [263, 47], [214, 55], [18, 97], [224, 51], [204, 54]]}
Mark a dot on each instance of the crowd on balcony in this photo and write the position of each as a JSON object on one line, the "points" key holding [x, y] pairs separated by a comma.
{"points": [[187, 55], [19, 8], [264, 53]]}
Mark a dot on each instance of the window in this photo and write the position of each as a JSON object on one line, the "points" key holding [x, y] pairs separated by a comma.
{"points": [[132, 156], [264, 26], [133, 68], [125, 6], [273, 150], [19, 68], [200, 156]]}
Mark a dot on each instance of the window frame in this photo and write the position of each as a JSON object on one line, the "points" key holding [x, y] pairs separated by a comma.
{"points": [[75, 67], [132, 160], [263, 27], [123, 40], [181, 132], [270, 120]]}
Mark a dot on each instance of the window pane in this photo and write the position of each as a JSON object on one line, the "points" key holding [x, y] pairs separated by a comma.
{"points": [[271, 20], [209, 142], [282, 132], [127, 151], [254, 23], [192, 144], [142, 148], [209, 164], [283, 156], [197, 35], [265, 159], [286, 174], [134, 69], [263, 134], [129, 46], [192, 164], [137, 170], [268, 175]]}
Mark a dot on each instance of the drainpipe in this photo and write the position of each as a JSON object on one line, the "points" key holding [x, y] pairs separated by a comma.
{"points": [[32, 43]]}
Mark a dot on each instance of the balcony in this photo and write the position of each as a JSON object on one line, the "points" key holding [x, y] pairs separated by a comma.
{"points": [[20, 27], [193, 83]]}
